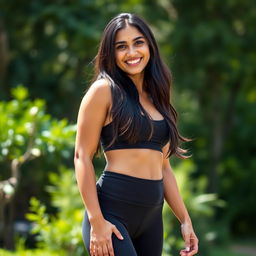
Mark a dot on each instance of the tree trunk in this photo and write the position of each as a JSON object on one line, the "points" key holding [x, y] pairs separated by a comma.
{"points": [[222, 123], [9, 226]]}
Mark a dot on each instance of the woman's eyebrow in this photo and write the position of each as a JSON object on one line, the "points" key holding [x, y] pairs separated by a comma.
{"points": [[123, 42]]}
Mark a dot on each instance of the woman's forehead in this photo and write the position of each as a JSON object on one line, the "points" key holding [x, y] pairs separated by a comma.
{"points": [[128, 33]]}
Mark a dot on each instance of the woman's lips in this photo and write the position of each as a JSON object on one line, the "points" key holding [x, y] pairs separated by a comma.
{"points": [[133, 62]]}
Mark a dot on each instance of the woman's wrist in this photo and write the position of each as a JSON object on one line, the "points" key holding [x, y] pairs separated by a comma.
{"points": [[185, 220], [96, 219]]}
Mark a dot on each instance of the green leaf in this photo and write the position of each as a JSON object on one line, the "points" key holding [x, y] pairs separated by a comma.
{"points": [[20, 92]]}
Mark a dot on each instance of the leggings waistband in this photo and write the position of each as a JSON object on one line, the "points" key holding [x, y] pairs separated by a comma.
{"points": [[129, 177], [131, 189]]}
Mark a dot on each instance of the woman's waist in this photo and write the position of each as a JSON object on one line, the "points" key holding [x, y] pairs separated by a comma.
{"points": [[135, 163], [136, 171]]}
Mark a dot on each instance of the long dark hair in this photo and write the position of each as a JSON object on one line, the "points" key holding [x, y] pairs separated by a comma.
{"points": [[126, 108]]}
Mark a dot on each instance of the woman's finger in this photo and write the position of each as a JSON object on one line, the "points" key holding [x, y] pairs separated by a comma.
{"points": [[186, 237], [117, 233], [105, 250], [183, 252], [99, 251], [110, 248], [193, 251], [92, 248], [194, 246]]}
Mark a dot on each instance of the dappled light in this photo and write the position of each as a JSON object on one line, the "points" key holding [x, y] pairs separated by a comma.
{"points": [[47, 51]]}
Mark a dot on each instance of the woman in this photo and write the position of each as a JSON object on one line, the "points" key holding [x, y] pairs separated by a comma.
{"points": [[127, 109]]}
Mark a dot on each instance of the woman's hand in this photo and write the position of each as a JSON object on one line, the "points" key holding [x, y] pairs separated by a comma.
{"points": [[191, 241], [101, 241]]}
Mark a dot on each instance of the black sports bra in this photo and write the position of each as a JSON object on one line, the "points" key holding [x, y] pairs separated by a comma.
{"points": [[158, 140]]}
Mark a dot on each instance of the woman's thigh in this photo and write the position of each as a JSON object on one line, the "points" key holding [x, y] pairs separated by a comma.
{"points": [[121, 247], [150, 242]]}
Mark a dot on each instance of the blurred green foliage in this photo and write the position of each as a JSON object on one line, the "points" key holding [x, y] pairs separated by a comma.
{"points": [[22, 252], [23, 120], [211, 49], [225, 252], [61, 232], [27, 133], [213, 58], [201, 206]]}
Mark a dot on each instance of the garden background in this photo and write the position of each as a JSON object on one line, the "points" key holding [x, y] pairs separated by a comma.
{"points": [[46, 60]]}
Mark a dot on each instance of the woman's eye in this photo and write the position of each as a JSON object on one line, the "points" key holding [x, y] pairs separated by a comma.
{"points": [[139, 42], [121, 47]]}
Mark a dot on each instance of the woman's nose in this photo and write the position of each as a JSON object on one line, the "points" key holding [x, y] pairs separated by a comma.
{"points": [[131, 51]]}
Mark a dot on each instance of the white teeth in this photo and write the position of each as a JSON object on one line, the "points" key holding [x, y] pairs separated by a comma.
{"points": [[133, 61]]}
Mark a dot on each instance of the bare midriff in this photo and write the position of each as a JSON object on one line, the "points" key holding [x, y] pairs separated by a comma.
{"points": [[140, 163]]}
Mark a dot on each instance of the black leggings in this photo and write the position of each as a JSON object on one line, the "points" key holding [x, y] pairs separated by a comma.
{"points": [[134, 206]]}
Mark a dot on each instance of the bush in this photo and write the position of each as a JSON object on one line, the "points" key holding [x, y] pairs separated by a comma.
{"points": [[30, 253], [27, 133], [62, 231], [201, 209]]}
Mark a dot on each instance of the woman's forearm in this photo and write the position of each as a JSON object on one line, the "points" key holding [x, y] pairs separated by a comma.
{"points": [[86, 180], [173, 197]]}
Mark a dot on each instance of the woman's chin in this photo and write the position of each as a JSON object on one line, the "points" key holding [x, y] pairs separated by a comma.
{"points": [[135, 73]]}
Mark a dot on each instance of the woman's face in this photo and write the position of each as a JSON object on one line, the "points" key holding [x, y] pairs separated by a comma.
{"points": [[131, 51]]}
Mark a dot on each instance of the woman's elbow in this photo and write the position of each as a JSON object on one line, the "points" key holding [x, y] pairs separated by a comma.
{"points": [[81, 158]]}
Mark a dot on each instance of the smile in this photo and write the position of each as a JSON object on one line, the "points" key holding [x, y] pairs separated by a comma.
{"points": [[133, 61]]}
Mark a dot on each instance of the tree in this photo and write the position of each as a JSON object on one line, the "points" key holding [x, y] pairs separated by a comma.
{"points": [[213, 45], [26, 133], [213, 59]]}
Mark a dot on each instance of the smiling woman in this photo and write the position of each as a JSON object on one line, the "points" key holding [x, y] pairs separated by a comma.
{"points": [[127, 111], [132, 52]]}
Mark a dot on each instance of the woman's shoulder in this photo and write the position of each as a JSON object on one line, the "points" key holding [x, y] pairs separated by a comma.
{"points": [[100, 92], [101, 85]]}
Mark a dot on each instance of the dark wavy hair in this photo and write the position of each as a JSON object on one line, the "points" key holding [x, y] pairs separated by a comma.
{"points": [[126, 108]]}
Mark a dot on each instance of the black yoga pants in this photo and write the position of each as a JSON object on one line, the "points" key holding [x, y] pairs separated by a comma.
{"points": [[134, 205]]}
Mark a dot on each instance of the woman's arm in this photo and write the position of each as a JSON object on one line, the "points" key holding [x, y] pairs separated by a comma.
{"points": [[91, 117], [174, 200]]}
